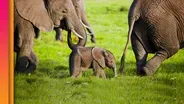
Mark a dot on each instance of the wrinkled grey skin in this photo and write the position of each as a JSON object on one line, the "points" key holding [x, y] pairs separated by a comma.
{"points": [[34, 15], [82, 58], [155, 26], [81, 13]]}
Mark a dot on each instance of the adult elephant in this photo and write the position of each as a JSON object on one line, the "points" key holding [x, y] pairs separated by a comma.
{"points": [[33, 15], [158, 28], [81, 13]]}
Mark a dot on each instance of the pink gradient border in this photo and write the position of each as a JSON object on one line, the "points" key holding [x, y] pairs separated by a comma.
{"points": [[6, 57]]}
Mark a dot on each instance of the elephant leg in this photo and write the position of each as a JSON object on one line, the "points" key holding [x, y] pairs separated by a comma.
{"points": [[26, 64], [102, 72], [58, 34], [97, 73], [166, 42], [75, 66], [152, 65], [21, 63], [97, 70], [27, 33], [140, 53]]}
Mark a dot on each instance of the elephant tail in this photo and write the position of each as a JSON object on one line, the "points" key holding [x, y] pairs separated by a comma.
{"points": [[133, 16]]}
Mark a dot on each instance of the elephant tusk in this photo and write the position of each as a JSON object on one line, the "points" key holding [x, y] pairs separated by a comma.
{"points": [[76, 33], [85, 25]]}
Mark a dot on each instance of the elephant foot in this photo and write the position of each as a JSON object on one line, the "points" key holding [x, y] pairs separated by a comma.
{"points": [[148, 72], [23, 65], [30, 68], [141, 72], [93, 40], [58, 39], [76, 74]]}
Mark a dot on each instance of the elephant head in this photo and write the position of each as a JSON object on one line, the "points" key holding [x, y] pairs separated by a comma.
{"points": [[45, 14], [104, 58]]}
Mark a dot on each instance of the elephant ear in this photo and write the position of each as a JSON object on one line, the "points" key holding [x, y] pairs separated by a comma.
{"points": [[35, 12], [98, 56]]}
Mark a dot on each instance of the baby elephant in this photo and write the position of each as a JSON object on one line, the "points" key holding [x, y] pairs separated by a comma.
{"points": [[82, 58]]}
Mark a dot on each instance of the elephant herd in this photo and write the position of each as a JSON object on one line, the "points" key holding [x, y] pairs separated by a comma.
{"points": [[155, 26]]}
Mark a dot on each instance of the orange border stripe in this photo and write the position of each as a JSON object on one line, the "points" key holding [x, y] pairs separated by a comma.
{"points": [[11, 52]]}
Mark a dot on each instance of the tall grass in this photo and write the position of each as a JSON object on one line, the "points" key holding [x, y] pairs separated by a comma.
{"points": [[51, 84]]}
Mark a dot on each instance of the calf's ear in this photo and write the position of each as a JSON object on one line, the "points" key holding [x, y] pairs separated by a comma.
{"points": [[98, 56]]}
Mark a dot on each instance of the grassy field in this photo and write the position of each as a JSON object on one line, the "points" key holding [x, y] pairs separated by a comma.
{"points": [[51, 84]]}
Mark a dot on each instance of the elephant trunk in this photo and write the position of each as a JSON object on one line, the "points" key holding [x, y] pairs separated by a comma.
{"points": [[69, 39], [82, 40], [77, 28]]}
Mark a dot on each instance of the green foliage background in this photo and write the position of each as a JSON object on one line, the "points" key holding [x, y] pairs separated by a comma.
{"points": [[51, 84]]}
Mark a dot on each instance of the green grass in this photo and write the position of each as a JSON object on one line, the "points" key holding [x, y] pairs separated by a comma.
{"points": [[51, 84]]}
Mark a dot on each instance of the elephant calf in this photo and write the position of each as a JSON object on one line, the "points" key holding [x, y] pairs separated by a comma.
{"points": [[82, 58]]}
